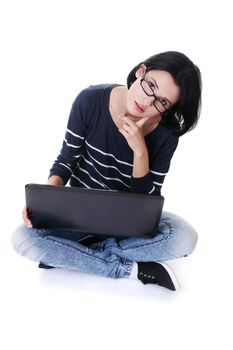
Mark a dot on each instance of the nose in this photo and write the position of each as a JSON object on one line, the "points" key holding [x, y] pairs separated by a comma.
{"points": [[147, 101]]}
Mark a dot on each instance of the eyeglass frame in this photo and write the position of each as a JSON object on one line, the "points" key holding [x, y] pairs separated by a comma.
{"points": [[156, 98]]}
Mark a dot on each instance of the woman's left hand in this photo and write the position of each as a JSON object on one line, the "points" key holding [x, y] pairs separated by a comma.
{"points": [[133, 133]]}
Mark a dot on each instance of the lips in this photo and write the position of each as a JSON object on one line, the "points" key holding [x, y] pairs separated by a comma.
{"points": [[138, 107]]}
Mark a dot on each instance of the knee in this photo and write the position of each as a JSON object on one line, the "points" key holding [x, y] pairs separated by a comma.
{"points": [[188, 238], [18, 237], [24, 241], [183, 236]]}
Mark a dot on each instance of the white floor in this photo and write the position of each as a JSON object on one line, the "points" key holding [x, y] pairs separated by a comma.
{"points": [[55, 309]]}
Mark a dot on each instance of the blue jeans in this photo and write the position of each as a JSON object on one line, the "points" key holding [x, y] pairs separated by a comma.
{"points": [[111, 257]]}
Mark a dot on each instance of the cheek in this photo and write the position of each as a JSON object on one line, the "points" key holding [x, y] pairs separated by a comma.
{"points": [[134, 93]]}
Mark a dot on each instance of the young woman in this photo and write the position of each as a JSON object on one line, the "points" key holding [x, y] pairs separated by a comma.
{"points": [[123, 138]]}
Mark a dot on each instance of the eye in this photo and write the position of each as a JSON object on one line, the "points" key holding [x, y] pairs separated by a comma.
{"points": [[163, 101], [151, 85]]}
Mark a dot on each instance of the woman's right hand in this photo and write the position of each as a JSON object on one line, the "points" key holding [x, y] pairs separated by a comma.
{"points": [[26, 220], [53, 180]]}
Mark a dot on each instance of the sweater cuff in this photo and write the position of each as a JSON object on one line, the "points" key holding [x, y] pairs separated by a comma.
{"points": [[141, 184]]}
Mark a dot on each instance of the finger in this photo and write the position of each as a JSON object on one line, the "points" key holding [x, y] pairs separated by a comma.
{"points": [[124, 133], [24, 213], [142, 121], [128, 128], [129, 125], [128, 121], [26, 220], [28, 223]]}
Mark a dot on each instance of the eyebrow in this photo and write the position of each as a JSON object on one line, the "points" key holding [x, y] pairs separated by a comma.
{"points": [[158, 88]]}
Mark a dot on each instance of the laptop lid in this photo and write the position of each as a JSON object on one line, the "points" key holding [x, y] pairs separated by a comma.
{"points": [[91, 211]]}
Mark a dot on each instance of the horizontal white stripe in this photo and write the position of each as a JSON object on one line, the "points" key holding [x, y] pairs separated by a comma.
{"points": [[107, 178], [152, 190], [87, 161], [70, 144], [108, 154], [156, 173], [76, 135], [108, 166], [66, 166], [77, 178], [157, 183], [92, 178]]}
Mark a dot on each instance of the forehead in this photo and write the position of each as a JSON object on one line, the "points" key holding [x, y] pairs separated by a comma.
{"points": [[167, 86]]}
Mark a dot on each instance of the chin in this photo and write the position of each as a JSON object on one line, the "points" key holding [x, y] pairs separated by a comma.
{"points": [[134, 117], [135, 114]]}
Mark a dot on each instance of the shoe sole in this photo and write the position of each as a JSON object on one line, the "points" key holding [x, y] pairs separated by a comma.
{"points": [[172, 275]]}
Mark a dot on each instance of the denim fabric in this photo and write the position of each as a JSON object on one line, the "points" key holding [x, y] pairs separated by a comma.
{"points": [[112, 257]]}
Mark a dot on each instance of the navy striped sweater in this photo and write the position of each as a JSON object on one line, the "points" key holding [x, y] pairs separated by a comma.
{"points": [[96, 155]]}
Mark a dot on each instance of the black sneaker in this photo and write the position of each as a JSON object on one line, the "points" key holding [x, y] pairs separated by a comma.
{"points": [[157, 273], [43, 266]]}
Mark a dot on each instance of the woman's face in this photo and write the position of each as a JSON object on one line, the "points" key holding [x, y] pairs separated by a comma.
{"points": [[157, 82]]}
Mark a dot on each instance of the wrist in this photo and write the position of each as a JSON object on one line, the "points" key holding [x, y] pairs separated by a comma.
{"points": [[141, 154]]}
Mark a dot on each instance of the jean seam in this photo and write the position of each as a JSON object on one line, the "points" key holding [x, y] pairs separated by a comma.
{"points": [[75, 250]]}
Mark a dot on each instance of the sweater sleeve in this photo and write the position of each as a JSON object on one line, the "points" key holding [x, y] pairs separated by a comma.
{"points": [[73, 142], [152, 182]]}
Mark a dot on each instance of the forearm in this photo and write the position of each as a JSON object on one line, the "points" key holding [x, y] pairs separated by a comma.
{"points": [[140, 164], [141, 181], [55, 180]]}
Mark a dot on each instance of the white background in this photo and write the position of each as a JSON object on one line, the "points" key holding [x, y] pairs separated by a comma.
{"points": [[50, 50]]}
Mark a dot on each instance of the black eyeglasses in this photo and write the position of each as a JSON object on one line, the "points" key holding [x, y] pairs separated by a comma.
{"points": [[159, 102]]}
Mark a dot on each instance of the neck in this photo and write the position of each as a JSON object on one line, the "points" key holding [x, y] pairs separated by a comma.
{"points": [[121, 97]]}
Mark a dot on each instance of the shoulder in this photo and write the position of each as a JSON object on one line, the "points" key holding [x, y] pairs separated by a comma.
{"points": [[91, 103], [93, 100], [169, 140], [168, 134], [163, 135], [162, 143], [93, 92]]}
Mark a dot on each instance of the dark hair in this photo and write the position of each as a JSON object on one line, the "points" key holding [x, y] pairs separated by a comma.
{"points": [[183, 116]]}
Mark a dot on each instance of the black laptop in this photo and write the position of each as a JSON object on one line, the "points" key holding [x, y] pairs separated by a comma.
{"points": [[98, 212]]}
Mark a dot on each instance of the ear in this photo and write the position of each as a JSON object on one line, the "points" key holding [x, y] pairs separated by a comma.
{"points": [[141, 70]]}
